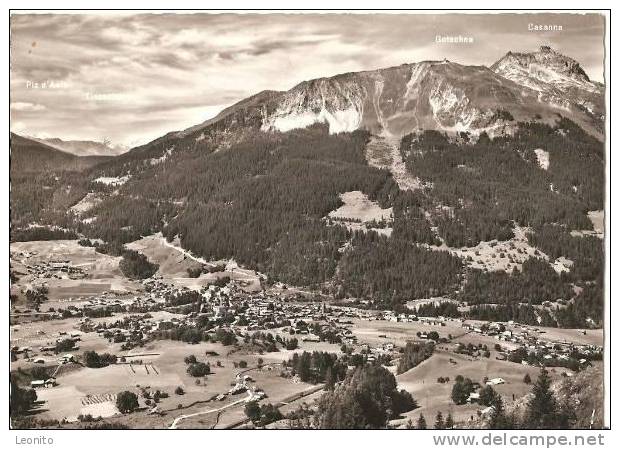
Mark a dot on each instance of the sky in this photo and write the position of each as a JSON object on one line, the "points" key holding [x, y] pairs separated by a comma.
{"points": [[130, 78]]}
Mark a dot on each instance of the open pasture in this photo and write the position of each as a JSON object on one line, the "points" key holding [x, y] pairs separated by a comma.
{"points": [[432, 396]]}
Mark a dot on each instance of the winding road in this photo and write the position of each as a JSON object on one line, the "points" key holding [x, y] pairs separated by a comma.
{"points": [[180, 418]]}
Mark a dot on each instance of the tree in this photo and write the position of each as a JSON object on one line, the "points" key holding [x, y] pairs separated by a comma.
{"points": [[527, 379], [199, 369], [433, 335], [39, 373], [498, 419], [421, 424], [449, 421], [252, 411], [21, 399], [269, 413], [93, 360], [126, 401], [64, 345], [190, 359], [179, 390], [402, 401], [439, 423], [413, 354], [488, 395], [37, 296], [542, 410], [461, 390], [136, 266], [329, 379], [364, 400], [292, 343]]}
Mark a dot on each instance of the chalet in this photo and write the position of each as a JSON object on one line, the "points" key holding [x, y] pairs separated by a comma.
{"points": [[66, 358], [48, 383]]}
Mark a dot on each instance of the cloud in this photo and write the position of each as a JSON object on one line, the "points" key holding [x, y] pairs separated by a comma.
{"points": [[135, 77]]}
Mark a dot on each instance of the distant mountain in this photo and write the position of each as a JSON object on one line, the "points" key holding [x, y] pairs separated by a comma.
{"points": [[83, 147], [29, 155], [558, 80]]}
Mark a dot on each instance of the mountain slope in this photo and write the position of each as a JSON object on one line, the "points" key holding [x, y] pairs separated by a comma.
{"points": [[28, 155], [558, 79], [441, 95], [398, 100]]}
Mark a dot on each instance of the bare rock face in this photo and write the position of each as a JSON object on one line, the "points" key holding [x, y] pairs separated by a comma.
{"points": [[398, 100], [558, 80], [443, 95]]}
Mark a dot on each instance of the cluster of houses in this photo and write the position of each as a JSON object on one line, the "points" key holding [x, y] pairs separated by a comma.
{"points": [[56, 269], [243, 313], [523, 337]]}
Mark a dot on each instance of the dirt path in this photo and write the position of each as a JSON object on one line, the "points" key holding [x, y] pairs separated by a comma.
{"points": [[285, 401], [185, 252], [248, 274], [178, 419], [383, 152]]}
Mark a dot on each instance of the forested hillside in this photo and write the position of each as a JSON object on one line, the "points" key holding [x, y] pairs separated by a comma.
{"points": [[486, 186], [263, 199], [263, 202]]}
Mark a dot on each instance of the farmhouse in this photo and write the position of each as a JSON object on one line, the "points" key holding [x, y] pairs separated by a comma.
{"points": [[48, 383]]}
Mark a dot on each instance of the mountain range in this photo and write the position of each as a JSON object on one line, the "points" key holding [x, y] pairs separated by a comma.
{"points": [[29, 155], [83, 147], [395, 101], [441, 95]]}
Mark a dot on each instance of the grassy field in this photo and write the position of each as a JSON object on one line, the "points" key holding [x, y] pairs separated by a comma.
{"points": [[433, 396], [174, 262], [101, 271], [163, 369], [357, 206], [399, 333], [496, 255]]}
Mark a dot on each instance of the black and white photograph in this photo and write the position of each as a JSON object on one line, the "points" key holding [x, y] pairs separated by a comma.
{"points": [[309, 220]]}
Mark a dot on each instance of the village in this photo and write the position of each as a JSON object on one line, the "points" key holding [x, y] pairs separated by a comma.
{"points": [[240, 340]]}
